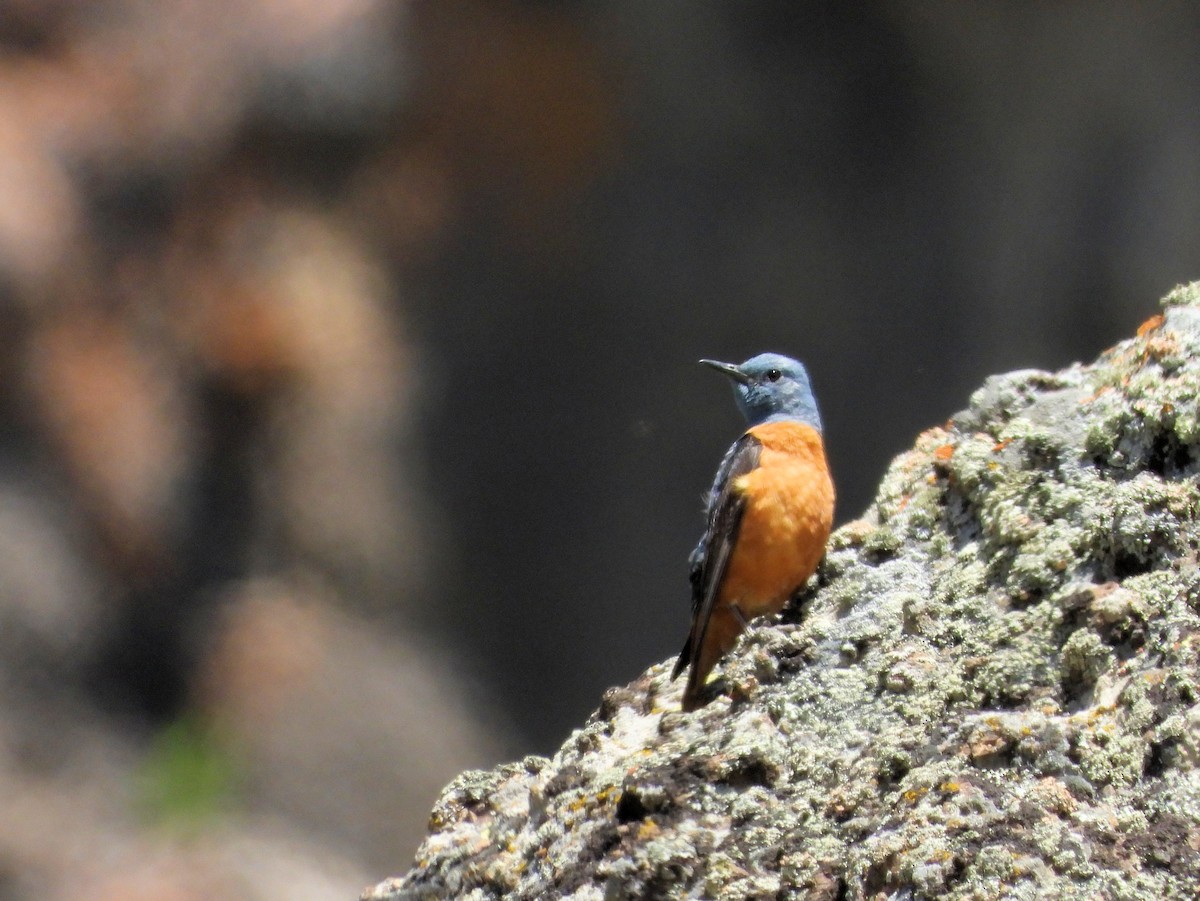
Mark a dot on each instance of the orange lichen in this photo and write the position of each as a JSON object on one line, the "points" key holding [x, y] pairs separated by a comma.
{"points": [[1150, 325], [648, 830], [1102, 390]]}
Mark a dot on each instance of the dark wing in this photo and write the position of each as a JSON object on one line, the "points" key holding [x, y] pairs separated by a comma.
{"points": [[709, 560]]}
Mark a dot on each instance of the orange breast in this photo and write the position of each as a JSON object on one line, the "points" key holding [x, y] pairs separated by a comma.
{"points": [[788, 516]]}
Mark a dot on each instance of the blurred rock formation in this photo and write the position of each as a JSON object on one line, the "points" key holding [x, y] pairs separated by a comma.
{"points": [[212, 532]]}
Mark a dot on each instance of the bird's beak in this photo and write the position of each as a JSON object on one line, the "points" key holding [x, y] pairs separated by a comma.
{"points": [[730, 370]]}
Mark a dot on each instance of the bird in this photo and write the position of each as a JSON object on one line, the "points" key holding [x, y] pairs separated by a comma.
{"points": [[769, 514]]}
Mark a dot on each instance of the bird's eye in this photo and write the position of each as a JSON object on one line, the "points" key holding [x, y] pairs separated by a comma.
{"points": [[774, 375]]}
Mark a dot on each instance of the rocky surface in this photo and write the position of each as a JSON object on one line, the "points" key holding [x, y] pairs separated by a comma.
{"points": [[989, 691]]}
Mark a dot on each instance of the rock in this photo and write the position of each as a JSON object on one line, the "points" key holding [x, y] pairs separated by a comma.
{"points": [[989, 690]]}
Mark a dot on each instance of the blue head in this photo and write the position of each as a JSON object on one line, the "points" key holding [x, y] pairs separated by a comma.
{"points": [[771, 388]]}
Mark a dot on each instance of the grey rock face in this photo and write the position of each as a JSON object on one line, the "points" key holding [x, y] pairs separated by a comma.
{"points": [[990, 690]]}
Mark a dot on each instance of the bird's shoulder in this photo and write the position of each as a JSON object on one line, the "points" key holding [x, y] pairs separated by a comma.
{"points": [[742, 457]]}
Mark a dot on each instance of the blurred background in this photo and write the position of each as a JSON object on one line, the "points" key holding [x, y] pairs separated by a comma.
{"points": [[350, 428]]}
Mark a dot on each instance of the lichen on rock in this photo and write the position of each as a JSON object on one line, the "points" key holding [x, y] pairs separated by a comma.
{"points": [[990, 689]]}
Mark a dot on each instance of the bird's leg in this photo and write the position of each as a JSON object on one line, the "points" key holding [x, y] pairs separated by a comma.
{"points": [[739, 616]]}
